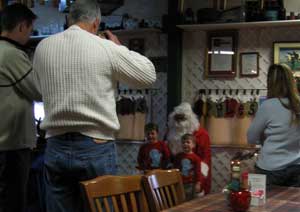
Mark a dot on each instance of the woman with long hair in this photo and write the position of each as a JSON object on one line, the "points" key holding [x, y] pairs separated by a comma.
{"points": [[276, 127]]}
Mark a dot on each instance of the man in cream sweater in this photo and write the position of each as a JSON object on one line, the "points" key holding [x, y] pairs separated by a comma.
{"points": [[78, 72]]}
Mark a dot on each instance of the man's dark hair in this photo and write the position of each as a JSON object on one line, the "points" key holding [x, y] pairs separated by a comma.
{"points": [[14, 14], [151, 126]]}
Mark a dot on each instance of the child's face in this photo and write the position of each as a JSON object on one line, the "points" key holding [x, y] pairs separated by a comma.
{"points": [[151, 135], [187, 145]]}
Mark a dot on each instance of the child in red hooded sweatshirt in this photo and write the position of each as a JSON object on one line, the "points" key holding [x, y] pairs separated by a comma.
{"points": [[189, 164], [154, 154]]}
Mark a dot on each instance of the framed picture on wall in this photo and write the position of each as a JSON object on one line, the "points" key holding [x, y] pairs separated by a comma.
{"points": [[221, 54], [249, 64], [288, 53]]}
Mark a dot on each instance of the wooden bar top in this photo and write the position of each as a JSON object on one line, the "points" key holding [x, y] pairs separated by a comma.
{"points": [[279, 199]]}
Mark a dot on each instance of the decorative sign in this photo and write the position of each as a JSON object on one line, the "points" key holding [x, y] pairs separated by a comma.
{"points": [[257, 185], [221, 54]]}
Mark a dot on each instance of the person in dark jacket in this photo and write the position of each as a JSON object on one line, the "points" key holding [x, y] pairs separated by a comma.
{"points": [[17, 92]]}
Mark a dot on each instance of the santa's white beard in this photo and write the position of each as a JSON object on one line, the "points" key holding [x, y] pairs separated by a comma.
{"points": [[174, 142], [178, 129], [175, 133]]}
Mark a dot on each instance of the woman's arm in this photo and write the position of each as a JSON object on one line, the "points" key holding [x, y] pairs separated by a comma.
{"points": [[255, 134]]}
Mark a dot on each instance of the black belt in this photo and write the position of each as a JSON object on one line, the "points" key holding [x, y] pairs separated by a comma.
{"points": [[75, 136]]}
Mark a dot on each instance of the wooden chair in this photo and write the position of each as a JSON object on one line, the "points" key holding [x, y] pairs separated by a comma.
{"points": [[122, 193], [164, 189]]}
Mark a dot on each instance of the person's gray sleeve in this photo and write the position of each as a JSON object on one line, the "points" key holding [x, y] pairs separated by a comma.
{"points": [[132, 68], [18, 67], [258, 125]]}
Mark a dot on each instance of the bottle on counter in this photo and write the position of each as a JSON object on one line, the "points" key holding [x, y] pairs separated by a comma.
{"points": [[244, 181]]}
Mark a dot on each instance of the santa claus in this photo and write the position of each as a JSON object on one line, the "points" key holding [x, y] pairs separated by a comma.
{"points": [[181, 121]]}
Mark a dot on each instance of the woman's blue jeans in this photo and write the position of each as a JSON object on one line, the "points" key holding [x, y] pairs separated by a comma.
{"points": [[289, 176], [71, 158]]}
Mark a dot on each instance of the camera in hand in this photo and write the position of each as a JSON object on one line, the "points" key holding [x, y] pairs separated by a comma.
{"points": [[103, 34]]}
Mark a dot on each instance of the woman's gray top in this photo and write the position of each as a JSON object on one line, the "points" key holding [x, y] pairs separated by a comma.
{"points": [[280, 139]]}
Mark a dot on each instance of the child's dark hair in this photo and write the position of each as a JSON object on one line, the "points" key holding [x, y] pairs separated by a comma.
{"points": [[188, 136], [151, 126]]}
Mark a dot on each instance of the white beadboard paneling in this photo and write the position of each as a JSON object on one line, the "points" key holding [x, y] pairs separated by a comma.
{"points": [[155, 46], [155, 41], [292, 6]]}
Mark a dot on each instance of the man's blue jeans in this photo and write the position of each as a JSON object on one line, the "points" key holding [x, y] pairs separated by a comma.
{"points": [[71, 158]]}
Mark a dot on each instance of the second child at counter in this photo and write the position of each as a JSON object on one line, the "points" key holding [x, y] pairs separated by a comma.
{"points": [[181, 121], [189, 165]]}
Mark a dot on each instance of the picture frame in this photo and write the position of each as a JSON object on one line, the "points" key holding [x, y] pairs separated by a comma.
{"points": [[249, 64], [221, 54], [288, 53]]}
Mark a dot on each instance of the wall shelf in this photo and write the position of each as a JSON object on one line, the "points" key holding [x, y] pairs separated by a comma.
{"points": [[136, 31], [117, 32], [240, 25]]}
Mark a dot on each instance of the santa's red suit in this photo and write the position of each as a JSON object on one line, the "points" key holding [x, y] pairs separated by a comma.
{"points": [[202, 149], [188, 123]]}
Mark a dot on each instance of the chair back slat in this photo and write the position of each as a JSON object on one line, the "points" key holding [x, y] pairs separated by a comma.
{"points": [[115, 193], [142, 201], [173, 190], [133, 202], [115, 204], [124, 203], [98, 205], [164, 189], [106, 204], [164, 198], [169, 197], [159, 198]]}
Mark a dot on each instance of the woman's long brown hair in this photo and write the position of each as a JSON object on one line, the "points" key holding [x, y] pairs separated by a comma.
{"points": [[282, 84]]}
